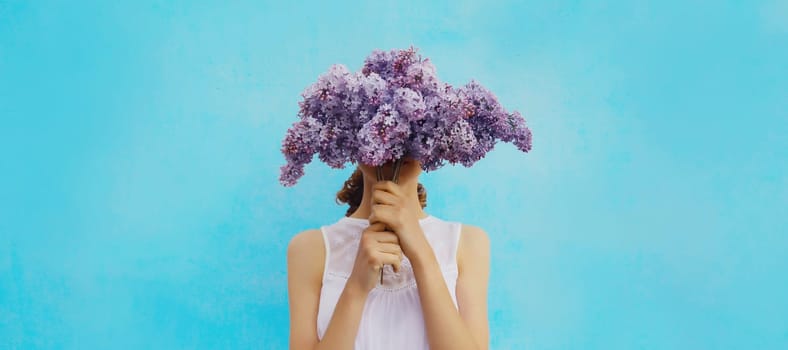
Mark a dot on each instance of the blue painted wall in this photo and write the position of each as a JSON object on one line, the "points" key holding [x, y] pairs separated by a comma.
{"points": [[139, 156]]}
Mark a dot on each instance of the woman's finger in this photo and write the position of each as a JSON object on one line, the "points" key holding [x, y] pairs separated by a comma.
{"points": [[376, 227], [390, 259], [388, 186], [391, 248], [381, 213], [384, 237], [383, 197]]}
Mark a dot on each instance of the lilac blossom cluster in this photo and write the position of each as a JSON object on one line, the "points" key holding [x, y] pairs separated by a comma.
{"points": [[396, 107]]}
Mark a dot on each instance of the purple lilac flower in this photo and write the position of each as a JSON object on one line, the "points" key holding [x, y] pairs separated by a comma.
{"points": [[326, 95], [517, 132], [299, 147], [491, 122], [409, 104], [460, 142], [396, 106], [421, 76], [383, 138], [367, 93]]}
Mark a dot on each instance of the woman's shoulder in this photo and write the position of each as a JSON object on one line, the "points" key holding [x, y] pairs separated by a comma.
{"points": [[473, 232], [307, 243], [309, 239], [469, 235], [474, 244]]}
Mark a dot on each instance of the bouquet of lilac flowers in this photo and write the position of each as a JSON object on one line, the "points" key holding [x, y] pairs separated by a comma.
{"points": [[396, 107]]}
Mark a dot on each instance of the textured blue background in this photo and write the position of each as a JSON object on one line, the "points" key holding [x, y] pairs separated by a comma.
{"points": [[139, 156]]}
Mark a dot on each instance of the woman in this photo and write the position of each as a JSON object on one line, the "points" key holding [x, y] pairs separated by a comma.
{"points": [[435, 273]]}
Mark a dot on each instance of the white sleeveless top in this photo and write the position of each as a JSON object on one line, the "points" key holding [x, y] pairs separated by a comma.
{"points": [[392, 316]]}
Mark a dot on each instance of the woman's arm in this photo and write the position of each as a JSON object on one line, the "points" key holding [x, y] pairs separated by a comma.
{"points": [[306, 256], [447, 327], [473, 262], [305, 262]]}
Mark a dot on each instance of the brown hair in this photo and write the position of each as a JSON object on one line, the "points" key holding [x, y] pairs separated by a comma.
{"points": [[353, 190]]}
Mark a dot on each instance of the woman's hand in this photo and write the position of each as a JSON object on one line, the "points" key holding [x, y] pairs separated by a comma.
{"points": [[389, 207], [377, 247]]}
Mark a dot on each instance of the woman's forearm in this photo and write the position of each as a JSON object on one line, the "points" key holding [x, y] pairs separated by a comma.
{"points": [[343, 327], [445, 327]]}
